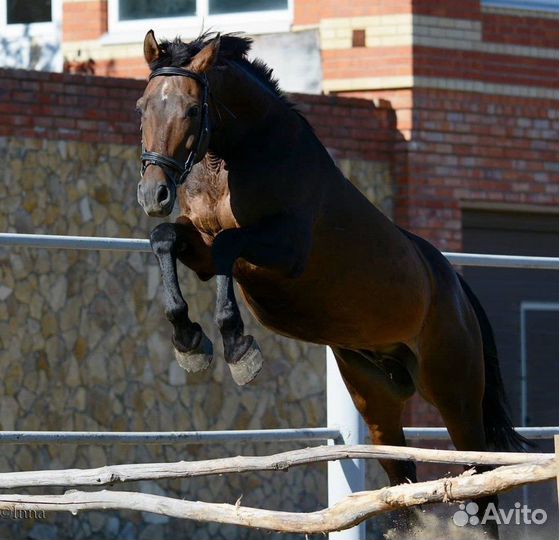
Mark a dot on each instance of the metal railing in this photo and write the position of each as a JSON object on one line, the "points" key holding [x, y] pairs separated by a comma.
{"points": [[170, 437], [100, 243], [230, 436]]}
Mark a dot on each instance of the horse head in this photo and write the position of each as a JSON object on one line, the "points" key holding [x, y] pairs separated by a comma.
{"points": [[175, 123]]}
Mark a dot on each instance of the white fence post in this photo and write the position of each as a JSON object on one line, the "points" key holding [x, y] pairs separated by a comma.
{"points": [[347, 476]]}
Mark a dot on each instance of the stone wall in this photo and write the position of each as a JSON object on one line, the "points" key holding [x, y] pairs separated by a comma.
{"points": [[84, 344]]}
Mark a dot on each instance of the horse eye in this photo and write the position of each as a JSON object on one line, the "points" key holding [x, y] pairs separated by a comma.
{"points": [[193, 111]]}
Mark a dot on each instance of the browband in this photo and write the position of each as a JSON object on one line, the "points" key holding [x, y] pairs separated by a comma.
{"points": [[179, 72]]}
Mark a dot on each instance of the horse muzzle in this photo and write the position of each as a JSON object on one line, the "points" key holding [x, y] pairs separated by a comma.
{"points": [[157, 199]]}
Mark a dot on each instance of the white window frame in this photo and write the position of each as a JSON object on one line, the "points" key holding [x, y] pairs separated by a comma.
{"points": [[251, 22], [533, 5], [35, 30], [525, 308]]}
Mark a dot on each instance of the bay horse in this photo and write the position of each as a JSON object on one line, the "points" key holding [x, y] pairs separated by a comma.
{"points": [[262, 202]]}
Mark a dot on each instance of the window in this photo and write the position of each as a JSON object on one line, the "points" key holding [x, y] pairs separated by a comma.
{"points": [[239, 6], [30, 31], [130, 19], [29, 17], [147, 9], [28, 11]]}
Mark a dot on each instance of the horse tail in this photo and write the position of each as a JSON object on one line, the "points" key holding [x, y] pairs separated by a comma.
{"points": [[499, 430]]}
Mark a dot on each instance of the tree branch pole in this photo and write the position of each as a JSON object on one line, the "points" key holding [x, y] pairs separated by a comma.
{"points": [[112, 474], [347, 513], [556, 443]]}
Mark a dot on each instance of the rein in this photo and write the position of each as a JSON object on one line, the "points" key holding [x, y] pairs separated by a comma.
{"points": [[174, 169]]}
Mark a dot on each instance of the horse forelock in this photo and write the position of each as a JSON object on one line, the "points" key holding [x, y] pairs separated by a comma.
{"points": [[177, 53]]}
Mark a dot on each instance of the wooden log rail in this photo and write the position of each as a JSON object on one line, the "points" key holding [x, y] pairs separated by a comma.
{"points": [[347, 513], [239, 464]]}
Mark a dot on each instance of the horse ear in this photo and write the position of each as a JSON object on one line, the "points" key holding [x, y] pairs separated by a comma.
{"points": [[152, 51], [206, 58]]}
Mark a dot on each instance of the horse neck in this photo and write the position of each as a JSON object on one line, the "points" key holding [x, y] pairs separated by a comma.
{"points": [[245, 110]]}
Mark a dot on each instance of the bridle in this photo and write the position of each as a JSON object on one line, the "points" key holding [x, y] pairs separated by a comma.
{"points": [[176, 170]]}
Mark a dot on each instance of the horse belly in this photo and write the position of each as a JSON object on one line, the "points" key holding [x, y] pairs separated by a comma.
{"points": [[364, 286], [337, 305]]}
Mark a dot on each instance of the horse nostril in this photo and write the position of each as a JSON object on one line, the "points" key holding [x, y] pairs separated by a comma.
{"points": [[163, 195]]}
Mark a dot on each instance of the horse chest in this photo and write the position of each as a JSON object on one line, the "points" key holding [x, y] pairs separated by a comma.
{"points": [[209, 214]]}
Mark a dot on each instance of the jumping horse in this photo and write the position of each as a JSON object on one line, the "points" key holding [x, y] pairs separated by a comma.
{"points": [[262, 202]]}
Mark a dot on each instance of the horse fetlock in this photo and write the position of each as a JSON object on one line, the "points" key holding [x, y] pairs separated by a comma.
{"points": [[188, 337], [178, 315], [196, 359], [248, 364]]}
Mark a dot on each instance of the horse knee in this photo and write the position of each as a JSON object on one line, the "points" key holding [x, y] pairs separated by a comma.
{"points": [[163, 238]]}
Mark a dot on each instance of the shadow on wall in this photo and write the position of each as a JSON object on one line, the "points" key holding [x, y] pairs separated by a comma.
{"points": [[79, 65], [373, 156]]}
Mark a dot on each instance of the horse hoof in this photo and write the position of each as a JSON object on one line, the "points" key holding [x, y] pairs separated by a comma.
{"points": [[248, 366], [197, 359]]}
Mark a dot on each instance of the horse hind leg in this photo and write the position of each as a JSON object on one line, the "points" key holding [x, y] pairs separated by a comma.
{"points": [[467, 433], [380, 396], [193, 349], [460, 403]]}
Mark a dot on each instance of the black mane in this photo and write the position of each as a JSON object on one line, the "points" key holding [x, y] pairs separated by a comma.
{"points": [[233, 47]]}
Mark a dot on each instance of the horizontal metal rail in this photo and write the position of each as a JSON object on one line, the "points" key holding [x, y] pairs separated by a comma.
{"points": [[169, 437], [503, 261], [94, 243], [438, 434], [235, 436], [99, 243]]}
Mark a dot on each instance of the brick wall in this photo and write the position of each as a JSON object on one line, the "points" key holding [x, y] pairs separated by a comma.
{"points": [[84, 20], [69, 107], [480, 122], [477, 147], [102, 109], [462, 9], [458, 147], [311, 12], [516, 30]]}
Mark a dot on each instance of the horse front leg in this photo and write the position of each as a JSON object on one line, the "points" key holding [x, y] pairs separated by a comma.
{"points": [[241, 352], [193, 350], [281, 245]]}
